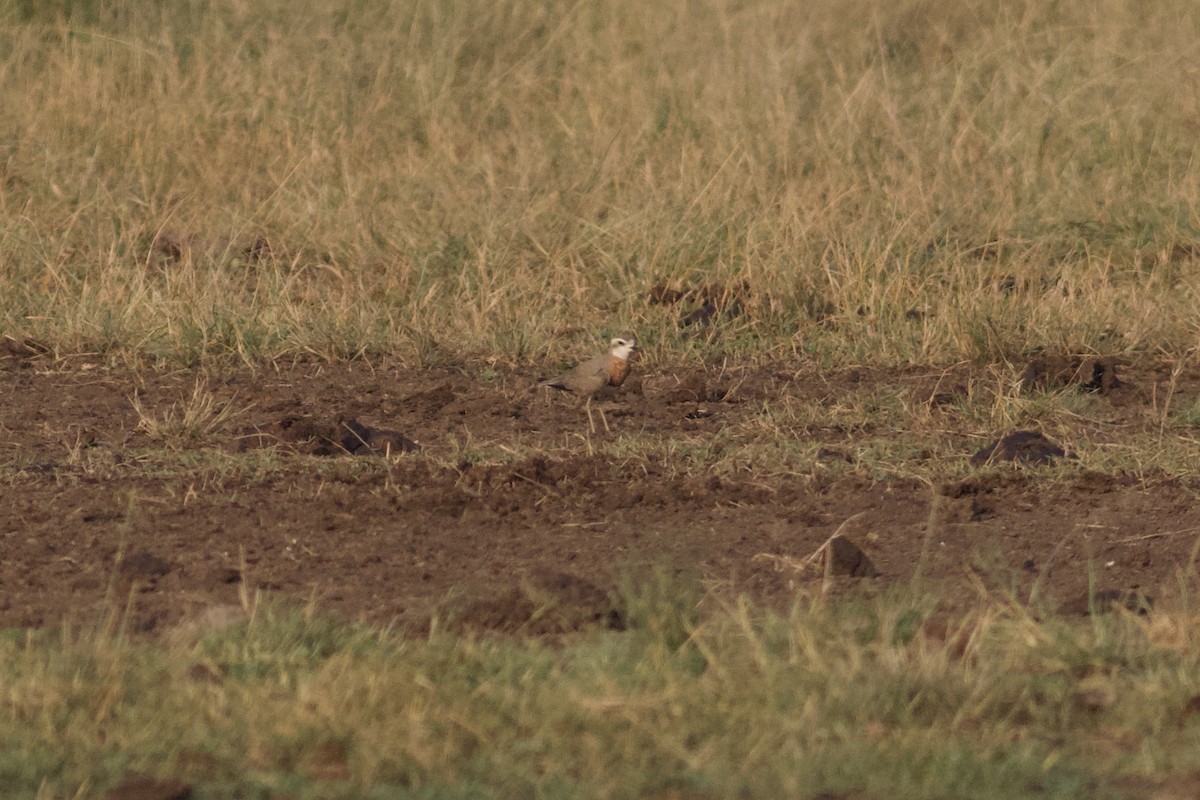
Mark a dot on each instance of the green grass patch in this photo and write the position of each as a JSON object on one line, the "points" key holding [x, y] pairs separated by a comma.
{"points": [[870, 698]]}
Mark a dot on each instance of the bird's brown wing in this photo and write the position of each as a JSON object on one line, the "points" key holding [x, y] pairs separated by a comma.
{"points": [[600, 373], [593, 375], [583, 379]]}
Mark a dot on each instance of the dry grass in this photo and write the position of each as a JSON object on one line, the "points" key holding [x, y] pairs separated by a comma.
{"points": [[191, 421], [254, 179]]}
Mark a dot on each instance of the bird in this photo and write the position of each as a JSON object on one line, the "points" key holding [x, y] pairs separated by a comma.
{"points": [[607, 369]]}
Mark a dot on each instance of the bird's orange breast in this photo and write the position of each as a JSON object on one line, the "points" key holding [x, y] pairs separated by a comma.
{"points": [[618, 371]]}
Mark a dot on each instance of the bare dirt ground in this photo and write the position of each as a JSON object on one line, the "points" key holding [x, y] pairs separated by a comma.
{"points": [[535, 544]]}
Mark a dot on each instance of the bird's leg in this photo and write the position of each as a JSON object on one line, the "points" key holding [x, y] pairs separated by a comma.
{"points": [[604, 419], [587, 406]]}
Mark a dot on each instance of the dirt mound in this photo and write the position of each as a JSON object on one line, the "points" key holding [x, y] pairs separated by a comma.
{"points": [[1026, 447]]}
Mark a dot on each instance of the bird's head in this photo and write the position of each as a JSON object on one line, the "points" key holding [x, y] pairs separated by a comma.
{"points": [[622, 346]]}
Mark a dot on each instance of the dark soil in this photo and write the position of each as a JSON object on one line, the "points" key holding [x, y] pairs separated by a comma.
{"points": [[93, 520]]}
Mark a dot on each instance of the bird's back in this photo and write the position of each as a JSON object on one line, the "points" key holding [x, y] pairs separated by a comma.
{"points": [[587, 378]]}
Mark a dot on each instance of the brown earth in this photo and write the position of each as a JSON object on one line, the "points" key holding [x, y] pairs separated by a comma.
{"points": [[94, 516]]}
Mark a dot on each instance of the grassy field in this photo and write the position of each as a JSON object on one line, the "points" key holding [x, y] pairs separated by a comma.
{"points": [[906, 182], [869, 699], [496, 185]]}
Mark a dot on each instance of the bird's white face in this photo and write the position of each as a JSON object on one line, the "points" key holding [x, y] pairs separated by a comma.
{"points": [[621, 347]]}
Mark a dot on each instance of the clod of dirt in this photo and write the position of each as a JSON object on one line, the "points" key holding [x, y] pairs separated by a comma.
{"points": [[308, 436], [1095, 694], [537, 471], [701, 317], [223, 575], [693, 389], [1107, 600], [1191, 708], [847, 558], [291, 430], [193, 628], [956, 642], [171, 244], [22, 350], [707, 314], [1048, 372], [1181, 251], [431, 401], [209, 673], [142, 569], [143, 787], [258, 249], [1102, 483], [177, 246], [943, 397], [662, 295], [1027, 447], [634, 386], [981, 511], [545, 602], [828, 454], [969, 500], [715, 300], [360, 440], [977, 484]]}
